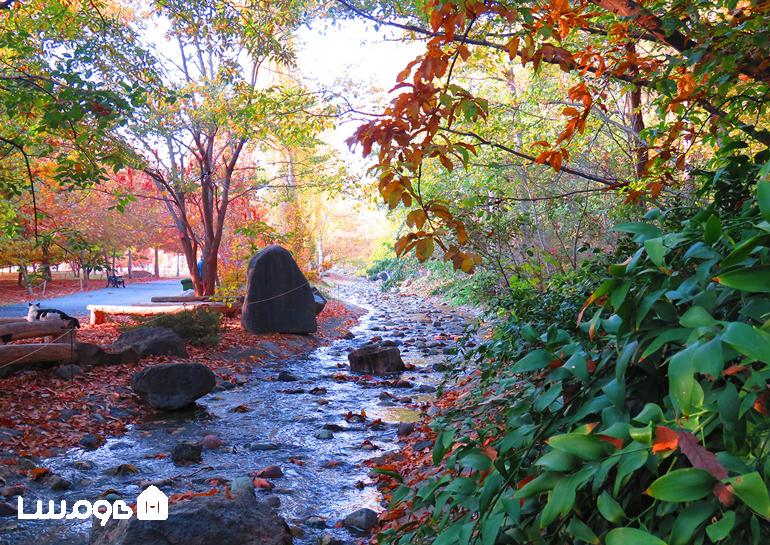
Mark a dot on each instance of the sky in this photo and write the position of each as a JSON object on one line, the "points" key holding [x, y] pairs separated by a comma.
{"points": [[356, 60]]}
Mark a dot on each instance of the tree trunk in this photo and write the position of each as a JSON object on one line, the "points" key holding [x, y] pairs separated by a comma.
{"points": [[130, 263], [25, 277], [45, 265], [156, 272]]}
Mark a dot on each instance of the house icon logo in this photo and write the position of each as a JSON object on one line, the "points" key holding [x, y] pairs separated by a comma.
{"points": [[152, 504]]}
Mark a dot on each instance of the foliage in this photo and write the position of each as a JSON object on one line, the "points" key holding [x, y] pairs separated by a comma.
{"points": [[199, 327], [648, 423], [696, 63]]}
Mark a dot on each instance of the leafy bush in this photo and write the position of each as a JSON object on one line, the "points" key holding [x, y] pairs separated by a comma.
{"points": [[646, 425], [199, 327]]}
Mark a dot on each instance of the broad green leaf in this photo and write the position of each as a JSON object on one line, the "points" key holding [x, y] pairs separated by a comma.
{"points": [[585, 447], [631, 536], [557, 460], [609, 508], [752, 491], [580, 530], [656, 251], [682, 485], [712, 230], [535, 360], [643, 230], [754, 279], [697, 316], [683, 386], [688, 521], [721, 528], [475, 459], [560, 501], [629, 462], [744, 250], [763, 199], [748, 340]]}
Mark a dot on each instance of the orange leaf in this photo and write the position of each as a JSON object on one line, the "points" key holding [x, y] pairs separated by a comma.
{"points": [[614, 441], [665, 439]]}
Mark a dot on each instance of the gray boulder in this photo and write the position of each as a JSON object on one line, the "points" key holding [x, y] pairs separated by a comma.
{"points": [[278, 296], [201, 521], [319, 300], [172, 386], [152, 341], [363, 519], [376, 360]]}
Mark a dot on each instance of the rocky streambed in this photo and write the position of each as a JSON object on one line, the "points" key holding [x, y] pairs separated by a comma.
{"points": [[302, 427]]}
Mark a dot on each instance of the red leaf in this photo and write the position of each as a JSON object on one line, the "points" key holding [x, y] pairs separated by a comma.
{"points": [[700, 457], [614, 441], [665, 439], [724, 493]]}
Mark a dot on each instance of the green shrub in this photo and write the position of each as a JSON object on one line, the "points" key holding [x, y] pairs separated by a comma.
{"points": [[646, 425], [199, 327]]}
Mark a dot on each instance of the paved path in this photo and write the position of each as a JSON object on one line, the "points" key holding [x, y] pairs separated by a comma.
{"points": [[75, 304]]}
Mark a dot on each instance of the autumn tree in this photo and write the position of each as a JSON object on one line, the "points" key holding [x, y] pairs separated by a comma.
{"points": [[213, 110]]}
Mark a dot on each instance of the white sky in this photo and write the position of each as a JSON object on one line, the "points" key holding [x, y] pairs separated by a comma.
{"points": [[355, 60]]}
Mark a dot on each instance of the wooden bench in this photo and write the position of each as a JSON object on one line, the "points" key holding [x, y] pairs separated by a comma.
{"points": [[99, 313], [115, 281]]}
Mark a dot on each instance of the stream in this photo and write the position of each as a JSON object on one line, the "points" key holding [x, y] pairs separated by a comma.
{"points": [[270, 422]]}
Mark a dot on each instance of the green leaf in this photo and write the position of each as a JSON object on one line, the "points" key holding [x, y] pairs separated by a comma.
{"points": [[748, 340], [475, 459], [609, 508], [755, 279], [643, 230], [688, 522], [539, 484], [682, 485], [585, 447], [557, 460], [631, 536], [683, 387], [697, 316], [535, 360], [712, 230], [656, 250], [629, 462], [580, 530], [721, 528], [560, 501], [763, 199], [743, 250], [752, 491]]}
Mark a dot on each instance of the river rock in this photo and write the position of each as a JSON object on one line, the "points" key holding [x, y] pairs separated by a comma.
{"points": [[201, 521], [187, 453], [68, 372], [363, 519], [376, 360], [172, 386], [90, 441], [152, 341], [278, 296]]}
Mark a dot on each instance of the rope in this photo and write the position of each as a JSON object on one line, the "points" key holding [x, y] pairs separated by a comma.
{"points": [[17, 360]]}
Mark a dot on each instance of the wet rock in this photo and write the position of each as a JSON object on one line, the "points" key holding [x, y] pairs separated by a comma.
{"points": [[363, 519], [201, 521], [296, 531], [7, 510], [14, 490], [405, 428], [278, 296], [376, 360], [241, 483], [324, 434], [426, 389], [262, 446], [274, 502], [172, 386], [68, 372], [187, 453], [270, 472], [422, 445], [316, 522], [83, 465], [328, 539], [152, 341], [285, 376], [334, 427], [349, 335], [211, 442], [90, 441], [318, 391], [123, 469], [319, 300], [57, 483]]}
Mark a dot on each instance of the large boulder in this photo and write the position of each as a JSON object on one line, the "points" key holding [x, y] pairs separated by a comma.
{"points": [[172, 386], [152, 341], [278, 296], [376, 360], [201, 521], [319, 300]]}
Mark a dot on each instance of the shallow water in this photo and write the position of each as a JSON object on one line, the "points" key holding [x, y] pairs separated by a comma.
{"points": [[285, 415]]}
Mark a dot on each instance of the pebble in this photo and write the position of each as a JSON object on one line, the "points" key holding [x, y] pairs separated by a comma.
{"points": [[328, 539], [270, 472], [90, 441], [57, 483], [285, 376], [421, 445], [241, 483], [405, 428], [324, 434], [262, 446], [211, 442], [83, 465]]}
